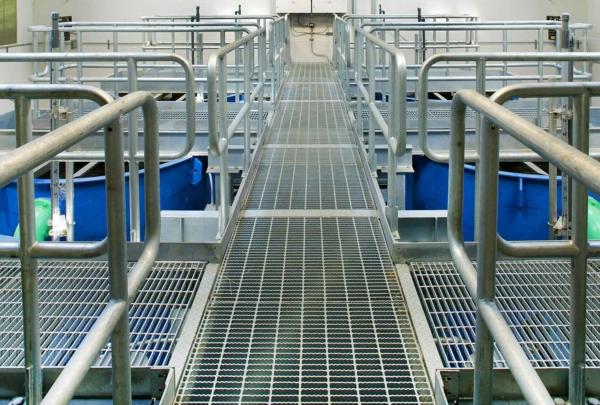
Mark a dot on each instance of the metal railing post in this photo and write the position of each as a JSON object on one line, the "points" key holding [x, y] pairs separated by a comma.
{"points": [[358, 76], [134, 169], [29, 265], [371, 76], [224, 164], [487, 196], [262, 53], [248, 67], [117, 261], [578, 276]]}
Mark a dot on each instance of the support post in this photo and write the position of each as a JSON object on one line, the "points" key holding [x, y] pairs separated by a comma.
{"points": [[371, 77], [134, 169], [358, 53], [248, 67], [487, 201], [117, 261], [579, 262], [29, 265], [224, 175]]}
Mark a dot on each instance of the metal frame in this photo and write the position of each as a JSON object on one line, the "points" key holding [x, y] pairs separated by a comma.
{"points": [[195, 47], [132, 60], [113, 321], [572, 160], [395, 130], [480, 60], [220, 131], [381, 25]]}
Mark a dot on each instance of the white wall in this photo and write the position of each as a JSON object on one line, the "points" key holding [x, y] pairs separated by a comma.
{"points": [[18, 73], [485, 9], [132, 9], [123, 10]]}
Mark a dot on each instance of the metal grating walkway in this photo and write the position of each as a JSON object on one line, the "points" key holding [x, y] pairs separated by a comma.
{"points": [[533, 296], [307, 307], [72, 295]]}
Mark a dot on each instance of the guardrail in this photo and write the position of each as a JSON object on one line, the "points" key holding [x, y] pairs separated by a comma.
{"points": [[426, 40], [394, 130], [573, 161], [421, 44], [219, 128], [113, 321], [480, 60], [197, 48], [132, 61]]}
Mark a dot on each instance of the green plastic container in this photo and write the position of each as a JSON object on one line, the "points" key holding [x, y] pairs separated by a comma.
{"points": [[593, 219], [43, 213]]}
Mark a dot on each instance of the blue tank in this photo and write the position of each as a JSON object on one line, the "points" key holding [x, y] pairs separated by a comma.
{"points": [[184, 186], [522, 201]]}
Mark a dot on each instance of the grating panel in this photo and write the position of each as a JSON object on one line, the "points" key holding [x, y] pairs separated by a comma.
{"points": [[295, 136], [315, 178], [306, 310], [310, 73], [318, 115], [313, 91], [72, 294], [534, 299]]}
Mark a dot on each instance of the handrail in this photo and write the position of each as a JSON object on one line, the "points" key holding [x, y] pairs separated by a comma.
{"points": [[112, 322], [573, 161], [219, 130], [480, 59], [395, 131], [126, 57], [133, 155], [347, 17]]}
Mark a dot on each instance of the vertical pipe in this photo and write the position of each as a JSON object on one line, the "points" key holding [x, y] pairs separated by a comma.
{"points": [[69, 200], [505, 49], [393, 132], [541, 76], [237, 62], [115, 64], [579, 262], [247, 92], [358, 72], [117, 262], [262, 53], [80, 68], [54, 111], [567, 124], [552, 174], [480, 88], [29, 267], [371, 77], [134, 169], [36, 69], [223, 140], [487, 201]]}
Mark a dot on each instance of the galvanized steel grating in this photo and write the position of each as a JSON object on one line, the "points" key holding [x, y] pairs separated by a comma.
{"points": [[318, 115], [311, 73], [533, 296], [306, 310], [313, 91], [310, 178], [295, 136], [72, 295]]}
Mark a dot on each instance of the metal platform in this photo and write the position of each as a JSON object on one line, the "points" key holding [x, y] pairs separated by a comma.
{"points": [[73, 293], [533, 297], [307, 307]]}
